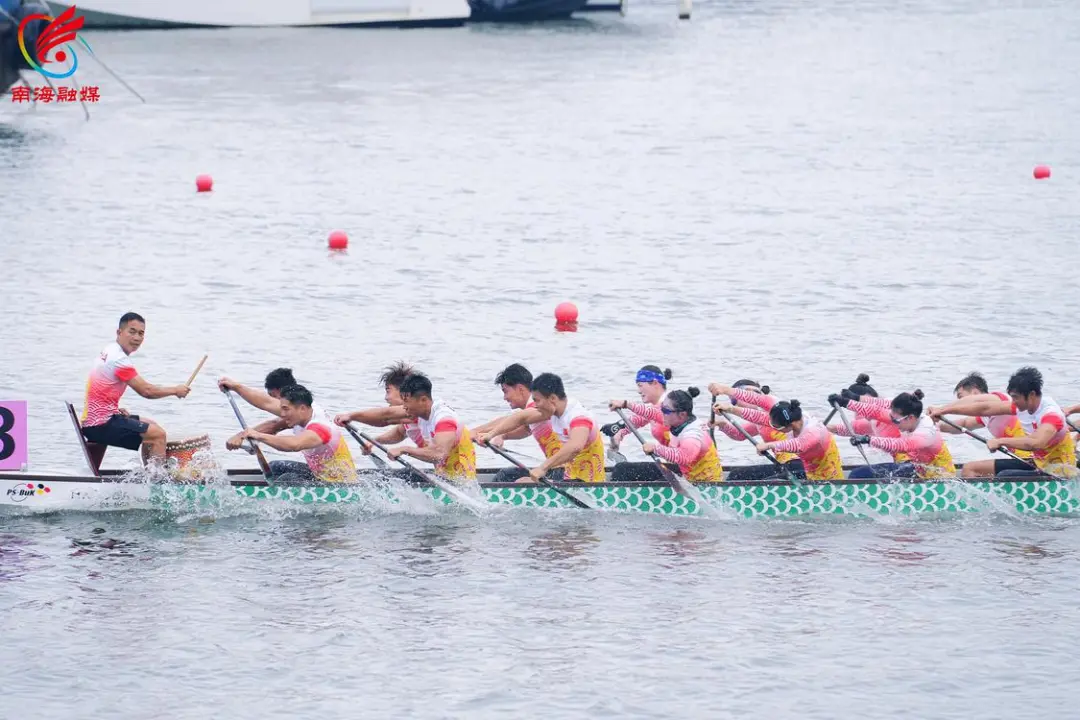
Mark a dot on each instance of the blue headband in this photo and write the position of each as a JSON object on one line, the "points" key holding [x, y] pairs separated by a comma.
{"points": [[651, 376]]}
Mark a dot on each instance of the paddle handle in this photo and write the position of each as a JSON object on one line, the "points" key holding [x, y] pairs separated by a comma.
{"points": [[378, 461], [847, 424], [197, 369], [712, 420], [981, 439], [263, 464]]}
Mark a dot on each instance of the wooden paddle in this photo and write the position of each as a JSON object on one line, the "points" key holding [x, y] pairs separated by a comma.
{"points": [[543, 481], [1003, 450], [472, 503], [197, 369], [263, 465], [847, 423], [787, 471], [678, 482]]}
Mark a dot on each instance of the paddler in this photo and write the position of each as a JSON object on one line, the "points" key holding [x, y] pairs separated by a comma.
{"points": [[686, 441], [327, 457], [582, 451], [1046, 433], [808, 438], [402, 425], [103, 421], [767, 432], [877, 425], [920, 443], [652, 387], [998, 426], [654, 415], [268, 400], [444, 439], [516, 384]]}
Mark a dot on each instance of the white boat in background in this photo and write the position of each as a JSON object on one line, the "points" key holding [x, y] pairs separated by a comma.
{"points": [[268, 13]]}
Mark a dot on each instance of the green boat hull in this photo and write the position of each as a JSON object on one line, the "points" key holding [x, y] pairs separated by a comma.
{"points": [[775, 500]]}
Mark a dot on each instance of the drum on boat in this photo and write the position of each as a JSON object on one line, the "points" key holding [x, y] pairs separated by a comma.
{"points": [[190, 459]]}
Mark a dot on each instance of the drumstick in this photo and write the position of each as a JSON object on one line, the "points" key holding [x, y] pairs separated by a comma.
{"points": [[192, 378]]}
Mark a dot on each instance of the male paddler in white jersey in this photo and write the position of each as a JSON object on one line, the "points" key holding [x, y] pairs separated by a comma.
{"points": [[582, 451], [103, 421], [443, 440], [327, 457], [1046, 433], [516, 384]]}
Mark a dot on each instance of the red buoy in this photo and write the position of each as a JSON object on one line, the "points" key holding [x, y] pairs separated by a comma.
{"points": [[1041, 172], [338, 240], [204, 183], [566, 313]]}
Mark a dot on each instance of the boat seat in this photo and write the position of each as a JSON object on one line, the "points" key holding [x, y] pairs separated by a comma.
{"points": [[93, 452]]}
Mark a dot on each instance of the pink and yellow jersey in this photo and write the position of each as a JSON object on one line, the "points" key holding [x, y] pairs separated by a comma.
{"points": [[1060, 455], [460, 464], [543, 434], [106, 385], [815, 446], [926, 447], [588, 464], [766, 431], [873, 420], [331, 461], [1001, 426], [694, 452]]}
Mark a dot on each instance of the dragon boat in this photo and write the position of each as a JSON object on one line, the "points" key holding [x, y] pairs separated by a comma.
{"points": [[114, 489]]}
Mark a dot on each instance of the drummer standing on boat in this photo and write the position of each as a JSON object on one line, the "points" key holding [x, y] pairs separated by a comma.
{"points": [[327, 457], [103, 421]]}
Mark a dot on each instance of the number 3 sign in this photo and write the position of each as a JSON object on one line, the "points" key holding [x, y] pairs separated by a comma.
{"points": [[13, 450]]}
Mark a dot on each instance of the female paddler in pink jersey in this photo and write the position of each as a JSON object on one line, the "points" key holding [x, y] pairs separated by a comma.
{"points": [[919, 440], [679, 438], [766, 432], [808, 438], [874, 424]]}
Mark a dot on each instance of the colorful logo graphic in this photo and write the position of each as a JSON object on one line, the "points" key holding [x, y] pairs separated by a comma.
{"points": [[22, 491], [60, 31]]}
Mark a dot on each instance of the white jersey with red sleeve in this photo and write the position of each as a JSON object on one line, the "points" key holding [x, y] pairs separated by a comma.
{"points": [[574, 416], [442, 418], [107, 382]]}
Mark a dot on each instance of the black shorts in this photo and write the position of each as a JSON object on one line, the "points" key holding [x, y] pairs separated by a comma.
{"points": [[123, 431]]}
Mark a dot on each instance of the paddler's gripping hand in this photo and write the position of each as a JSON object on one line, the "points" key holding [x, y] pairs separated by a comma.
{"points": [[342, 419], [226, 383], [838, 399], [612, 428], [722, 406], [858, 440], [614, 405], [235, 442]]}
